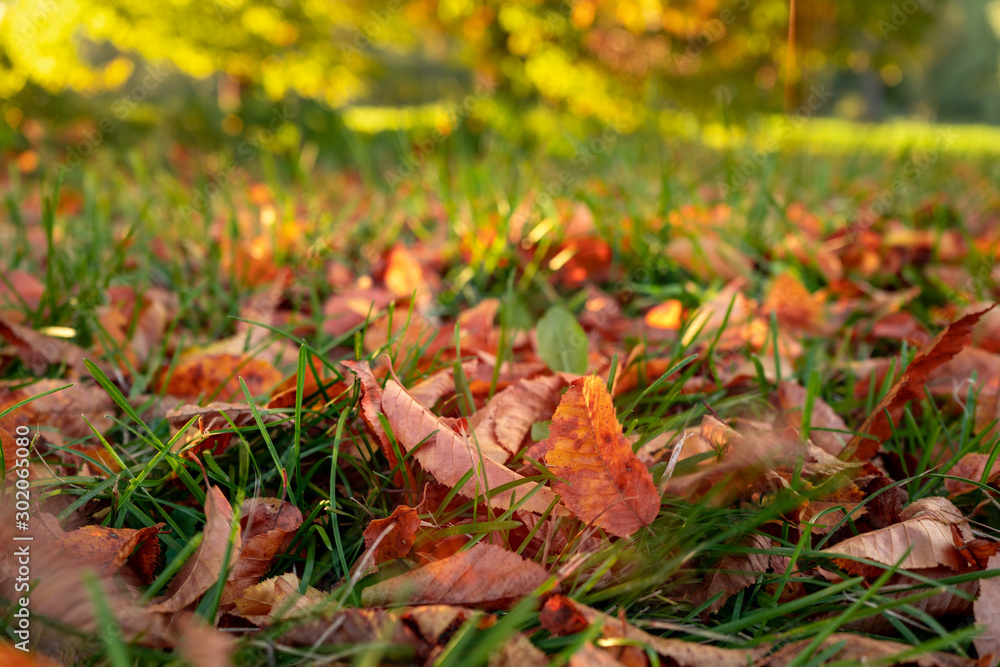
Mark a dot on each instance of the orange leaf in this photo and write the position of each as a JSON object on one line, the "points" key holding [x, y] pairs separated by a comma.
{"points": [[878, 428], [666, 315], [218, 375], [484, 576], [605, 483], [442, 451], [106, 549], [204, 567], [400, 530]]}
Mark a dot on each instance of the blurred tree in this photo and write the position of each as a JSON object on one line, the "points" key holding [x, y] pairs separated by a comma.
{"points": [[603, 59]]}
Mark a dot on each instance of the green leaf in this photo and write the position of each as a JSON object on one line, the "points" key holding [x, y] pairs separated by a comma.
{"points": [[562, 343]]}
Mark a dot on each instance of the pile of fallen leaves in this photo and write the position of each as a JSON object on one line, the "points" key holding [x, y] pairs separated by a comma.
{"points": [[508, 465]]}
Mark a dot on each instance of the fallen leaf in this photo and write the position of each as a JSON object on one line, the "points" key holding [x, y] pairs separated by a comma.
{"points": [[397, 532], [442, 452], [371, 407], [277, 598], [877, 428], [204, 567], [733, 573], [219, 375], [682, 653], [201, 645], [268, 527], [349, 309], [106, 550], [355, 627], [38, 351], [501, 426], [925, 532], [484, 576], [602, 480], [791, 399], [210, 421], [518, 651], [858, 649], [429, 391], [666, 315], [793, 305], [62, 410], [987, 611]]}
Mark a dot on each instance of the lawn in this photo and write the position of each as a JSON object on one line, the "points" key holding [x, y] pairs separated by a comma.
{"points": [[625, 399]]}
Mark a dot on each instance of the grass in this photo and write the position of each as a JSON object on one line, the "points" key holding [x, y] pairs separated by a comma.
{"points": [[127, 220]]}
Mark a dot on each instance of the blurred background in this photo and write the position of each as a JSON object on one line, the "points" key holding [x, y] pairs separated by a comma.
{"points": [[329, 75]]}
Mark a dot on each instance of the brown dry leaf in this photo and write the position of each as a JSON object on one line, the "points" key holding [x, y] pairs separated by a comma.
{"points": [[355, 627], [138, 335], [38, 351], [971, 467], [404, 275], [826, 513], [877, 428], [371, 407], [210, 420], [925, 531], [399, 528], [202, 645], [603, 482], [987, 611], [219, 375], [557, 609], [204, 567], [791, 398], [277, 598], [733, 574], [62, 410], [484, 576], [430, 390], [63, 594], [745, 460], [953, 600], [860, 649], [350, 308], [268, 527], [591, 656], [793, 304], [518, 651], [442, 451], [106, 550], [501, 426]]}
